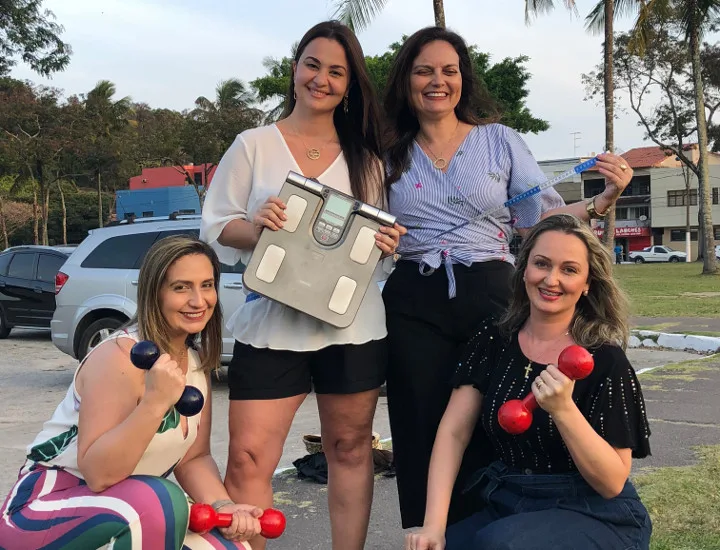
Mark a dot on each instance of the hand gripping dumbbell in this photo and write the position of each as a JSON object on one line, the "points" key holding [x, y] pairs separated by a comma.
{"points": [[516, 415], [203, 518], [144, 354]]}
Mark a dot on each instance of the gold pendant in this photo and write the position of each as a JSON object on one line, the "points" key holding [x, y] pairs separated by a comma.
{"points": [[440, 163], [313, 154]]}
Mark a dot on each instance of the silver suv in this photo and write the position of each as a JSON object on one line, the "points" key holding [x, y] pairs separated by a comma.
{"points": [[96, 288]]}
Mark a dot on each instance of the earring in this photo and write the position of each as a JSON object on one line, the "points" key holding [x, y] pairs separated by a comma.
{"points": [[585, 292], [294, 95], [346, 102]]}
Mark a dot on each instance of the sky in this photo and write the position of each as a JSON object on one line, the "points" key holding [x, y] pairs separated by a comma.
{"points": [[168, 52]]}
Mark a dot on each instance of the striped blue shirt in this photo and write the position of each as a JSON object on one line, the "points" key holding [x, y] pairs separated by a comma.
{"points": [[492, 164]]}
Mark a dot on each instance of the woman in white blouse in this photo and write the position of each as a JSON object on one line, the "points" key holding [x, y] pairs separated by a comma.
{"points": [[329, 131]]}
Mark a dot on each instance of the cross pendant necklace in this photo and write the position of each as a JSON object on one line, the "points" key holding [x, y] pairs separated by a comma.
{"points": [[528, 370]]}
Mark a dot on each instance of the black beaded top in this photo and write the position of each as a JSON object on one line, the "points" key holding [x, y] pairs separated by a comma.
{"points": [[610, 399]]}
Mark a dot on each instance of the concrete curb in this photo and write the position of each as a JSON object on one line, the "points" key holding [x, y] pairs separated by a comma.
{"points": [[682, 342]]}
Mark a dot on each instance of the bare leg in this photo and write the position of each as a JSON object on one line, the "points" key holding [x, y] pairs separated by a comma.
{"points": [[346, 435], [258, 429]]}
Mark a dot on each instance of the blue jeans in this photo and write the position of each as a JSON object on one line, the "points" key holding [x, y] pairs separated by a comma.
{"points": [[549, 511]]}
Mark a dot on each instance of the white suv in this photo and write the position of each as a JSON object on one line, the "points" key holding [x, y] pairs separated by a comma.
{"points": [[96, 288]]}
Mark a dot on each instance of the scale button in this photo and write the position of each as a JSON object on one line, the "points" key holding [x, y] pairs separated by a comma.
{"points": [[323, 237], [336, 230], [322, 225]]}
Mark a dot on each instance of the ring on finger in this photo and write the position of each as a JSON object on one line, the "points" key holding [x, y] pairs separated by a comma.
{"points": [[623, 167]]}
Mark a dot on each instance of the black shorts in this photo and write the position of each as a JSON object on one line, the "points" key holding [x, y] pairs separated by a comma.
{"points": [[264, 373]]}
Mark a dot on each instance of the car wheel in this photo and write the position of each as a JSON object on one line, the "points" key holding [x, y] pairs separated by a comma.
{"points": [[4, 328], [639, 260], [674, 259], [96, 332]]}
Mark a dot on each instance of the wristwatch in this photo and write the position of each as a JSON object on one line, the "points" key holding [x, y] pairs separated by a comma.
{"points": [[592, 212]]}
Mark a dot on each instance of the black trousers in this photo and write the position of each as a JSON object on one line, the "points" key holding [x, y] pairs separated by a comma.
{"points": [[427, 331]]}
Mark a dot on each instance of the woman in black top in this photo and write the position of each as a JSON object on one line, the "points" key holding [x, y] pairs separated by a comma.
{"points": [[562, 484]]}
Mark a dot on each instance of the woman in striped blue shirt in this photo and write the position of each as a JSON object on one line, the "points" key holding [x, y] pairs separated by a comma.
{"points": [[446, 164]]}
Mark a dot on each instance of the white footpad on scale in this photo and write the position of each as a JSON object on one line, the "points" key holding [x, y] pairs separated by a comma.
{"points": [[363, 245], [296, 206], [270, 264], [342, 295]]}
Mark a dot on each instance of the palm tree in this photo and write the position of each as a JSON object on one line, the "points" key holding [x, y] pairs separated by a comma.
{"points": [[357, 14], [229, 94], [107, 116], [601, 20], [695, 17]]}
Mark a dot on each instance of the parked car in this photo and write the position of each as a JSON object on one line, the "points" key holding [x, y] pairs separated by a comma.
{"points": [[657, 254], [27, 285], [96, 289], [717, 251]]}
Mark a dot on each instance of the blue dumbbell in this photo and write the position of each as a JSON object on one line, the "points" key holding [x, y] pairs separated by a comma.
{"points": [[144, 354]]}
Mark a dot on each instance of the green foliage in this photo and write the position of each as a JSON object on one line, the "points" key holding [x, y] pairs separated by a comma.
{"points": [[31, 34], [81, 206]]}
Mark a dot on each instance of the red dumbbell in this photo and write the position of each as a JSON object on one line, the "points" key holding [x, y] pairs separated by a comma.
{"points": [[203, 518], [515, 416]]}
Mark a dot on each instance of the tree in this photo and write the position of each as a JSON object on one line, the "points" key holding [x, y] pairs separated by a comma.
{"points": [[37, 135], [107, 126], [274, 86], [694, 18], [506, 81], [659, 87], [32, 35], [217, 123]]}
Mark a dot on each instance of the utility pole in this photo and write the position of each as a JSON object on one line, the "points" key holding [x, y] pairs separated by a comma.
{"points": [[576, 138]]}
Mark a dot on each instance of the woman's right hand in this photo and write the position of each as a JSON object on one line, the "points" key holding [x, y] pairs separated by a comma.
{"points": [[270, 215], [164, 383], [425, 539]]}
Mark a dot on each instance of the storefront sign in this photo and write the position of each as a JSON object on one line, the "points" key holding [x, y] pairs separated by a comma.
{"points": [[626, 231]]}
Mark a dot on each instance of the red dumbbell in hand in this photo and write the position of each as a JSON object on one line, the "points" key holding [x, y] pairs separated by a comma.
{"points": [[515, 416], [203, 518]]}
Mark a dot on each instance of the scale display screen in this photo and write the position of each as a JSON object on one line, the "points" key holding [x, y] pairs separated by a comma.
{"points": [[336, 210]]}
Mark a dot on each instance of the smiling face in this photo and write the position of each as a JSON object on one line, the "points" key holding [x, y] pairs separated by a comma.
{"points": [[321, 76], [188, 295], [557, 273], [435, 80]]}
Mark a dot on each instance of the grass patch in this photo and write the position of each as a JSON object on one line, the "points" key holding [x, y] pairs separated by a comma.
{"points": [[684, 502], [670, 290], [685, 371]]}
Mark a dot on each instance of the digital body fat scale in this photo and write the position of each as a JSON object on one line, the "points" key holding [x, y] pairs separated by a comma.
{"points": [[322, 260]]}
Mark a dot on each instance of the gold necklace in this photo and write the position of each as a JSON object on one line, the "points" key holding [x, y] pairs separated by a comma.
{"points": [[528, 368], [313, 153], [440, 162]]}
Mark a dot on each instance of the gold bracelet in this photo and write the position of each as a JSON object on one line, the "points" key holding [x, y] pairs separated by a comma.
{"points": [[592, 211]]}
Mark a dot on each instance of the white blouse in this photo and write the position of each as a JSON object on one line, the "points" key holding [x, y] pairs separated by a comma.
{"points": [[253, 169]]}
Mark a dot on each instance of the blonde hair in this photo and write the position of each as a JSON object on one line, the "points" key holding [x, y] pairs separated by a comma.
{"points": [[149, 319], [600, 317]]}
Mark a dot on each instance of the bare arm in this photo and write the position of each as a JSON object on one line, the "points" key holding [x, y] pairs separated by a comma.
{"points": [[453, 436], [118, 417], [242, 234], [604, 467]]}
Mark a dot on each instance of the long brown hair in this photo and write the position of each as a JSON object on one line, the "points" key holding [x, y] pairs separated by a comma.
{"points": [[402, 122], [359, 129], [149, 319], [600, 317]]}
